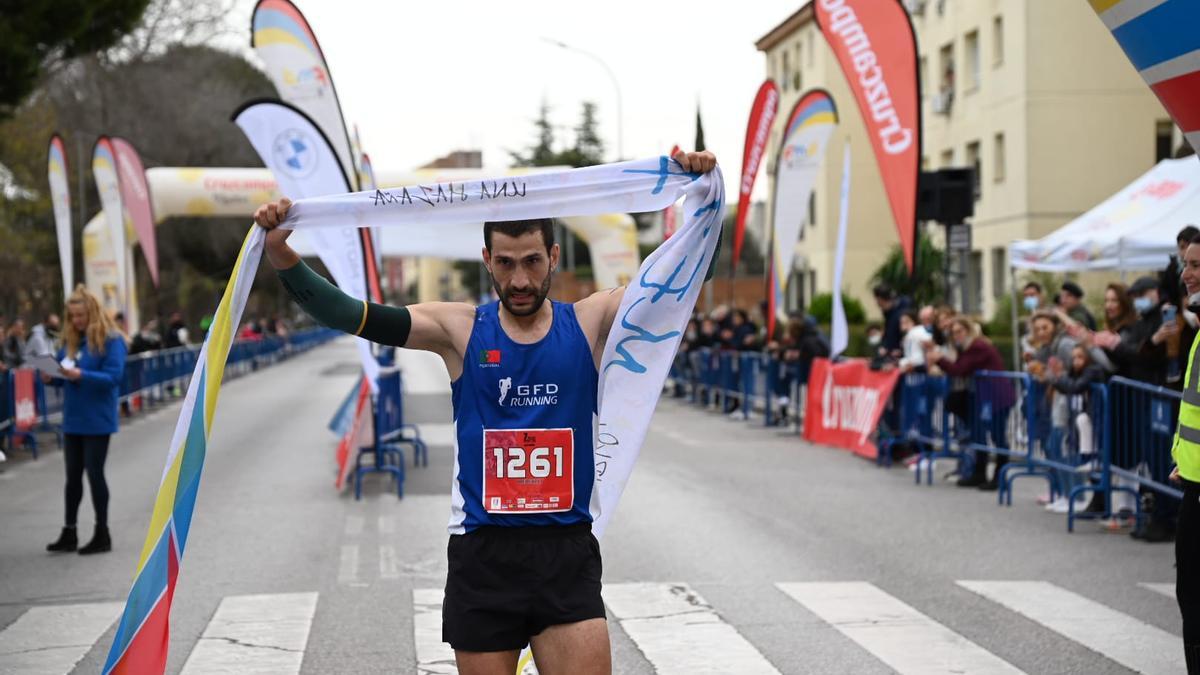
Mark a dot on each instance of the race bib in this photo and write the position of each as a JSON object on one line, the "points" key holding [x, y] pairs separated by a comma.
{"points": [[528, 470]]}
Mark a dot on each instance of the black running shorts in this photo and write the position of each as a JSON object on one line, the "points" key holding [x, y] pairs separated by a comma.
{"points": [[506, 584]]}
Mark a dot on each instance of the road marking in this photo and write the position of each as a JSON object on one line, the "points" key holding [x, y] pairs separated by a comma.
{"points": [[348, 566], [387, 525], [1166, 589], [892, 631], [1130, 642], [50, 640], [434, 657], [255, 634], [354, 526], [679, 632], [388, 566]]}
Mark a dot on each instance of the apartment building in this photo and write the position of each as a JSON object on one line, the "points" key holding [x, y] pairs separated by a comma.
{"points": [[1034, 94]]}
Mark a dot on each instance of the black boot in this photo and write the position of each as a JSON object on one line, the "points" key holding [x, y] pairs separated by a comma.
{"points": [[100, 543], [67, 541]]}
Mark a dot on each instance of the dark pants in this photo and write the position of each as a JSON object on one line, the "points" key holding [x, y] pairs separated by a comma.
{"points": [[86, 453], [1187, 572], [993, 433]]}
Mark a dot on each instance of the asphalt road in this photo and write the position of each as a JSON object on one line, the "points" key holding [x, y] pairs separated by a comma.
{"points": [[735, 549]]}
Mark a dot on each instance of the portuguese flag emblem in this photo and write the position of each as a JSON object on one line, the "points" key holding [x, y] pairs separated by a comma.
{"points": [[489, 356]]}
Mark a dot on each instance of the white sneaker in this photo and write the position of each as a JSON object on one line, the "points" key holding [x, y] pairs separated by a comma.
{"points": [[3, 457], [1060, 505]]}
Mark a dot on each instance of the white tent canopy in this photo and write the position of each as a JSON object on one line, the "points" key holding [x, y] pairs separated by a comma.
{"points": [[1134, 229]]}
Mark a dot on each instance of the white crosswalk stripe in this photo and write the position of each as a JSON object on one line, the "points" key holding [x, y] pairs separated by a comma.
{"points": [[1165, 589], [672, 626], [679, 632], [50, 640], [1130, 642], [892, 631], [255, 634]]}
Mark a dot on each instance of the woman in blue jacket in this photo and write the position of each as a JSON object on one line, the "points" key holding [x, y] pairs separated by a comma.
{"points": [[93, 362]]}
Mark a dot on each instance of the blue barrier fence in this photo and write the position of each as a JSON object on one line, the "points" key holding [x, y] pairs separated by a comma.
{"points": [[1107, 440], [154, 377]]}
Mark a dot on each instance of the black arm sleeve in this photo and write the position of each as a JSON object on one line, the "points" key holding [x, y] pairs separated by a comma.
{"points": [[712, 266], [330, 307]]}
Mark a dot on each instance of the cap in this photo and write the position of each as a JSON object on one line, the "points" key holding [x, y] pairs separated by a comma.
{"points": [[1072, 288], [1142, 285]]}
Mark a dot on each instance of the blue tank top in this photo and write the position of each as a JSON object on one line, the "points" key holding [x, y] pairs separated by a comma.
{"points": [[524, 421]]}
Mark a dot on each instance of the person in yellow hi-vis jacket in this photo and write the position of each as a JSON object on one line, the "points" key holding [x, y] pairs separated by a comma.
{"points": [[1186, 453]]}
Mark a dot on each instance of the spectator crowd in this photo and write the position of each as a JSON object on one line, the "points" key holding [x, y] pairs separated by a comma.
{"points": [[1143, 334]]}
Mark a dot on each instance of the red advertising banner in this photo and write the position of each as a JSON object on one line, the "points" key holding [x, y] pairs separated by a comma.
{"points": [[845, 401], [669, 212], [877, 50], [135, 194], [758, 130], [354, 436], [23, 397]]}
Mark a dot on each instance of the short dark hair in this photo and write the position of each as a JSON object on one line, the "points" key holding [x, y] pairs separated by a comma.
{"points": [[1072, 288], [1187, 234], [516, 228], [884, 292], [1034, 285], [1194, 240]]}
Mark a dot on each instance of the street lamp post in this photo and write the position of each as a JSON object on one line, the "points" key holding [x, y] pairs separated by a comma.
{"points": [[616, 86]]}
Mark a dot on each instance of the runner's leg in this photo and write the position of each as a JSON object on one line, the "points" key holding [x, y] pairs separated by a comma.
{"points": [[487, 663], [579, 648]]}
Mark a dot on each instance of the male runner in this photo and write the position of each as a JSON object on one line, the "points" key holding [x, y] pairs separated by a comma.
{"points": [[523, 564]]}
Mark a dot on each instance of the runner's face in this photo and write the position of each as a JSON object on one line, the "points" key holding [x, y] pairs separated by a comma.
{"points": [[521, 270]]}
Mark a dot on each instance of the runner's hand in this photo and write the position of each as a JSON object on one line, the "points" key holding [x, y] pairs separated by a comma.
{"points": [[270, 216], [697, 162], [1174, 477]]}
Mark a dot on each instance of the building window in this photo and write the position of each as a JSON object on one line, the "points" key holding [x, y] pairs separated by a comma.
{"points": [[997, 41], [812, 209], [810, 52], [999, 271], [797, 82], [947, 158], [971, 47], [1164, 133], [973, 303], [974, 163], [998, 158], [923, 69], [786, 77], [945, 91]]}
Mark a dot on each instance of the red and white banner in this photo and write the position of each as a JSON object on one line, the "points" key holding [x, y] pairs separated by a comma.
{"points": [[60, 198], [357, 434], [877, 50], [135, 196], [758, 130], [23, 397], [845, 401]]}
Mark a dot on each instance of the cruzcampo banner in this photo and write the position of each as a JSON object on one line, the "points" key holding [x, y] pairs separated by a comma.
{"points": [[758, 130], [874, 43], [60, 199], [304, 165], [845, 401], [1162, 39], [135, 196], [104, 172], [805, 136], [637, 354]]}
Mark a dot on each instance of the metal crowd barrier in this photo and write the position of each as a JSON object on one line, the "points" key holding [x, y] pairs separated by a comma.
{"points": [[154, 377], [750, 381]]}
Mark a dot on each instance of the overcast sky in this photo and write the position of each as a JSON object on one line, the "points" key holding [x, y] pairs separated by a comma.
{"points": [[422, 79]]}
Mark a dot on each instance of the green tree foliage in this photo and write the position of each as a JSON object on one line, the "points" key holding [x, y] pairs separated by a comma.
{"points": [[174, 106], [588, 149], [821, 309], [38, 35], [927, 284]]}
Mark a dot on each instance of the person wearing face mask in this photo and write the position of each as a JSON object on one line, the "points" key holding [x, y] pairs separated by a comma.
{"points": [[1138, 350]]}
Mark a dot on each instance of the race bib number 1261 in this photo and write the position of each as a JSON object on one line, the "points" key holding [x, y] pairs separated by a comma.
{"points": [[528, 470]]}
